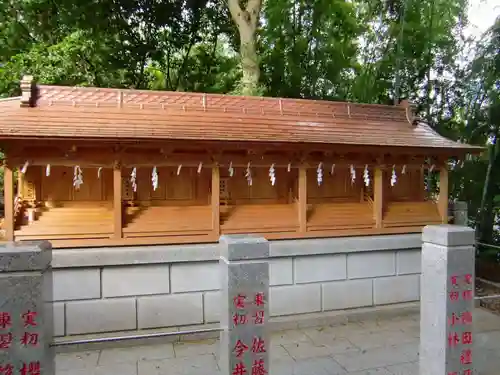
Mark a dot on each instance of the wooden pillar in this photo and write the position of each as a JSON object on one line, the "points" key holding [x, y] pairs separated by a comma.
{"points": [[302, 199], [8, 186], [215, 201], [378, 196], [117, 202], [20, 184], [443, 193]]}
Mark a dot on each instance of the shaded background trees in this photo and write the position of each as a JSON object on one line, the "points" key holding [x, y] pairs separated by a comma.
{"points": [[372, 51]]}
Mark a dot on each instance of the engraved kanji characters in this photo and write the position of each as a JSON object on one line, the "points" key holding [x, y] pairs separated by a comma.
{"points": [[5, 320], [239, 349], [258, 317], [29, 319], [466, 317], [466, 357], [239, 319], [467, 278], [7, 369], [239, 369], [258, 367], [32, 368], [249, 309], [453, 339], [467, 295], [258, 345], [5, 340], [454, 296], [259, 299], [453, 319], [467, 338], [454, 280], [29, 339], [239, 301]]}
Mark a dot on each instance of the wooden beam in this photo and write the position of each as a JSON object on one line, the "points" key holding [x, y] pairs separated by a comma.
{"points": [[117, 202], [302, 199], [8, 180], [443, 194], [244, 145], [215, 201], [378, 197]]}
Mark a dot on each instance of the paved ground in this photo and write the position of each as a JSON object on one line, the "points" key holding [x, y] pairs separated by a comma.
{"points": [[364, 348]]}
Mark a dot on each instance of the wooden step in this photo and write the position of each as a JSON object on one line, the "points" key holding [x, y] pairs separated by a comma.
{"points": [[340, 216]]}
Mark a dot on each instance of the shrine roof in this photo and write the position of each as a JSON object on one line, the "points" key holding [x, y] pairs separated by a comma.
{"points": [[102, 113]]}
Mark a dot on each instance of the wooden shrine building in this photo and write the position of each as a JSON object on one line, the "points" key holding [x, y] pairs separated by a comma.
{"points": [[100, 167]]}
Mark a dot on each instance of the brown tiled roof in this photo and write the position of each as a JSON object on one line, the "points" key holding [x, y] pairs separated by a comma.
{"points": [[72, 112]]}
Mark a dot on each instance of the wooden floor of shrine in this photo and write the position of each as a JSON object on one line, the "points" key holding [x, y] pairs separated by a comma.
{"points": [[86, 220]]}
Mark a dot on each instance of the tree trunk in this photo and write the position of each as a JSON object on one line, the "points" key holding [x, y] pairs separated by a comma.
{"points": [[484, 229], [249, 62], [246, 22]]}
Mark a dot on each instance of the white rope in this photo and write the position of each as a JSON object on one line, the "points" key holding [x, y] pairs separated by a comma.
{"points": [[77, 177], [366, 176], [272, 174], [25, 167], [133, 179], [394, 178], [319, 174], [248, 175], [154, 178]]}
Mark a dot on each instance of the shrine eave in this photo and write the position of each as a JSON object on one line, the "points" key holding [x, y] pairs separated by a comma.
{"points": [[115, 115]]}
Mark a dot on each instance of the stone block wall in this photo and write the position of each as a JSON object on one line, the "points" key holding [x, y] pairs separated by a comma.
{"points": [[173, 294]]}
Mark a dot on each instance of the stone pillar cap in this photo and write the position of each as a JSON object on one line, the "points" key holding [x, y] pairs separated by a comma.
{"points": [[243, 247], [459, 205], [448, 235], [25, 256]]}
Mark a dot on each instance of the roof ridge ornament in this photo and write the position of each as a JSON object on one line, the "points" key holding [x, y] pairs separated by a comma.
{"points": [[120, 98], [411, 111], [29, 91]]}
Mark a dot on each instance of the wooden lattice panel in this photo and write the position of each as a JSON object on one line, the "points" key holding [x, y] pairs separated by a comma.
{"points": [[29, 191], [127, 192]]}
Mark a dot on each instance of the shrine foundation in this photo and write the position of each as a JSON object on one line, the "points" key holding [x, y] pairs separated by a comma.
{"points": [[105, 291], [26, 321], [447, 300]]}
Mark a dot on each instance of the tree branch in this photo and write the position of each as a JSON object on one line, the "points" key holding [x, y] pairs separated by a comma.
{"points": [[235, 10], [253, 8]]}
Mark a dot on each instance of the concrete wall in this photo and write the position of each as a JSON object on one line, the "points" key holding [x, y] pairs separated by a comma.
{"points": [[159, 287]]}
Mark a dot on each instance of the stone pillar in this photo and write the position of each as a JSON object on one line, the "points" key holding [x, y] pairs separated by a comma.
{"points": [[245, 305], [26, 315], [460, 213], [447, 300]]}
